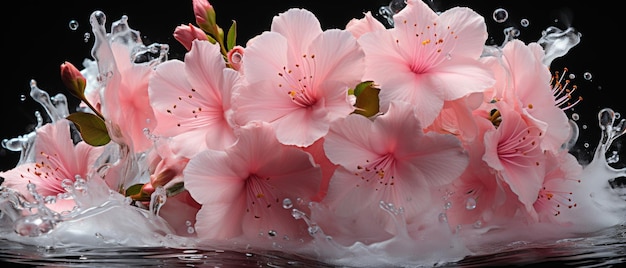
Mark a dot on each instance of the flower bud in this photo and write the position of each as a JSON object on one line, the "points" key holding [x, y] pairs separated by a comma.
{"points": [[73, 79], [235, 57], [205, 16], [185, 34]]}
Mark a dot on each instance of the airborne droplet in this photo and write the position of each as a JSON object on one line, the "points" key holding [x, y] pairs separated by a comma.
{"points": [[500, 15], [73, 24], [524, 22]]}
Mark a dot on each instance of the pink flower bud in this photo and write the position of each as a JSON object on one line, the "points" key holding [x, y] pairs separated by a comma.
{"points": [[185, 34], [205, 15], [72, 78]]}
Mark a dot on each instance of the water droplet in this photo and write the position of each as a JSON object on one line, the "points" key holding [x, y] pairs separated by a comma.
{"points": [[297, 214], [387, 14], [500, 15], [586, 145], [443, 217], [287, 204], [22, 97], [613, 158], [99, 236], [73, 24], [572, 76], [447, 205], [33, 225], [86, 37], [396, 5], [584, 126], [313, 229], [511, 33], [524, 22], [187, 223], [470, 203], [16, 144], [51, 199], [478, 224], [249, 255], [31, 187], [587, 76], [190, 230], [272, 233], [575, 116]]}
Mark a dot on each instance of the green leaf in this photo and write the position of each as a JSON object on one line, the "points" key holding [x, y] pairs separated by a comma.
{"points": [[92, 128], [367, 102], [133, 190], [232, 36]]}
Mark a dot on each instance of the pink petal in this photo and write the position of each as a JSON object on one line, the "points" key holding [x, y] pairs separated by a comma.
{"points": [[299, 26]]}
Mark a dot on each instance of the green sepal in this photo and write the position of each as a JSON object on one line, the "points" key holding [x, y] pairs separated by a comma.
{"points": [[79, 89], [367, 102], [92, 128], [175, 189], [211, 39]]}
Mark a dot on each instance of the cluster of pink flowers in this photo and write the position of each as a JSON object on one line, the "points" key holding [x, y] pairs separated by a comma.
{"points": [[246, 128]]}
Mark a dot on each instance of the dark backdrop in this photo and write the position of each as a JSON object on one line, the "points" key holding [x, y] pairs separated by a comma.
{"points": [[37, 39]]}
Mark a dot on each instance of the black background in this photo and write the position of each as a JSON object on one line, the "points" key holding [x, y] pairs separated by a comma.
{"points": [[37, 39]]}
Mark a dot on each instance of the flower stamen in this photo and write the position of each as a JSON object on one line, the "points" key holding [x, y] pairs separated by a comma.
{"points": [[301, 81], [561, 91]]}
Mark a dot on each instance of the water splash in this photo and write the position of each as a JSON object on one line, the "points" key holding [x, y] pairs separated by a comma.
{"points": [[557, 42], [387, 12]]}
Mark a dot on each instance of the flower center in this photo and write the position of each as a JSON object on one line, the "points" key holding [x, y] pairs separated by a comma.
{"points": [[300, 81], [555, 200], [378, 172], [260, 195], [48, 171], [429, 45], [521, 145]]}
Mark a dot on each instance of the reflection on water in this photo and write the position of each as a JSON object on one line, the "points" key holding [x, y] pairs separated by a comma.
{"points": [[605, 249]]}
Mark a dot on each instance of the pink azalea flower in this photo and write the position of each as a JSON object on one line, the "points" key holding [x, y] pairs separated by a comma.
{"points": [[56, 159], [556, 193], [477, 198], [191, 100], [364, 25], [389, 160], [525, 82], [427, 58], [513, 151], [126, 102], [242, 188], [298, 77]]}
